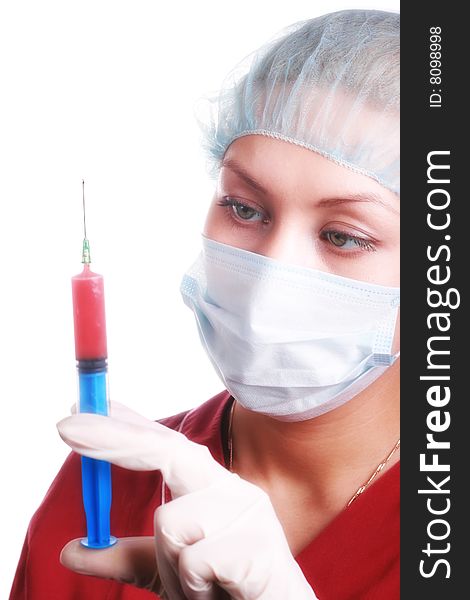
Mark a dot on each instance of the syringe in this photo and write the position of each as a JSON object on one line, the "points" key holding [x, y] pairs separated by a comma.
{"points": [[92, 355]]}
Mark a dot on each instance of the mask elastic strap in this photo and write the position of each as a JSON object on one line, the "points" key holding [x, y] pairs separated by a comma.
{"points": [[383, 342]]}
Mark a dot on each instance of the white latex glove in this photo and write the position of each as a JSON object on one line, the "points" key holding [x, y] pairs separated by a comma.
{"points": [[219, 532]]}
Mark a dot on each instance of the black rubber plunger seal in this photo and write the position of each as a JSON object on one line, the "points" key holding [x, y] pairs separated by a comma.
{"points": [[92, 366]]}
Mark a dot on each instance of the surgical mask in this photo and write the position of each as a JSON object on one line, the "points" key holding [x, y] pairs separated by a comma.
{"points": [[288, 341]]}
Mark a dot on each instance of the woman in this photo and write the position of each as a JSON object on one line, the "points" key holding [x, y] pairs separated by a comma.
{"points": [[295, 297]]}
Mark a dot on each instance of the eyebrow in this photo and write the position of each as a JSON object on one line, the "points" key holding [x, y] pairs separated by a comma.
{"points": [[240, 171], [372, 197]]}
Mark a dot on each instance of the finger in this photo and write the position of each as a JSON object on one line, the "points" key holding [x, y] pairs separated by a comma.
{"points": [[168, 574], [131, 560], [190, 518], [199, 580], [131, 445], [246, 563], [143, 446], [240, 560], [119, 411], [225, 511], [209, 511], [124, 413]]}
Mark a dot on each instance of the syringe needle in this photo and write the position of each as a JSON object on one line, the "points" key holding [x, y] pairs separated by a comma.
{"points": [[83, 201], [86, 257]]}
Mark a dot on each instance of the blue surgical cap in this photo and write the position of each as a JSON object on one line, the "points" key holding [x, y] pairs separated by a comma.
{"points": [[330, 84]]}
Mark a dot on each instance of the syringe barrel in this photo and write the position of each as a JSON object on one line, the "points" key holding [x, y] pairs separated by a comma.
{"points": [[96, 474], [93, 386]]}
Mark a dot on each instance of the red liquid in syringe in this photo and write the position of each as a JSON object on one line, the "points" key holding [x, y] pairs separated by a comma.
{"points": [[89, 315]]}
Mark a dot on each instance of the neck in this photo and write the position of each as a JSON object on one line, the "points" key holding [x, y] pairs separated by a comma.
{"points": [[341, 448]]}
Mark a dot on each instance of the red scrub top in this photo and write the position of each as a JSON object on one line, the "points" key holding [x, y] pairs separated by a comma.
{"points": [[355, 557]]}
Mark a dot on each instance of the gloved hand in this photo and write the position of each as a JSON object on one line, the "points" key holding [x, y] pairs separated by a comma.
{"points": [[218, 532]]}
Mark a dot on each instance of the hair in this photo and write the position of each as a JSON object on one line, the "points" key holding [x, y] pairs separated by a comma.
{"points": [[330, 84]]}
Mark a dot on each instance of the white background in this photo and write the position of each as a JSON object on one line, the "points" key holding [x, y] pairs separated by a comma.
{"points": [[105, 90]]}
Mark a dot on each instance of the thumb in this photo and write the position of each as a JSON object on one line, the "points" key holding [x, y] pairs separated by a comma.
{"points": [[132, 560]]}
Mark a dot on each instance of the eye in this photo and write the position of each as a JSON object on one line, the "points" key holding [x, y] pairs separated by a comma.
{"points": [[242, 211], [346, 242]]}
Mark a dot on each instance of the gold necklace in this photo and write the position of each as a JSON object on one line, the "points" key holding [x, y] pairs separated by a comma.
{"points": [[360, 490]]}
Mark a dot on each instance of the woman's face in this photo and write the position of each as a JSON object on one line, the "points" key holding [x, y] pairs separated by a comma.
{"points": [[289, 203]]}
